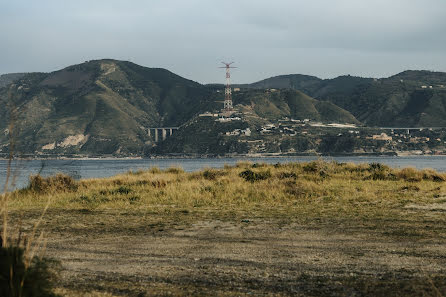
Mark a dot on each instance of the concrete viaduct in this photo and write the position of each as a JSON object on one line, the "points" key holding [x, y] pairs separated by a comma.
{"points": [[164, 131], [408, 129]]}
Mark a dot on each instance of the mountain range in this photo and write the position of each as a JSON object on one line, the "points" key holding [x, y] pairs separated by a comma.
{"points": [[408, 99], [106, 106]]}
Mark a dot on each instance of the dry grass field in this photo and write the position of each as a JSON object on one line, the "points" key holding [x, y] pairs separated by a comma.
{"points": [[300, 229]]}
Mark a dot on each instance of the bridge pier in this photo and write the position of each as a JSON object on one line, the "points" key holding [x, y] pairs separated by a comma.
{"points": [[161, 133]]}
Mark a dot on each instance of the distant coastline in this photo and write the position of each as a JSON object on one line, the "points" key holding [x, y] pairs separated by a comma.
{"points": [[212, 156]]}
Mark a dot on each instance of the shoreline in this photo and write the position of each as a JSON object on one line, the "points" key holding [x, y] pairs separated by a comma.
{"points": [[209, 156]]}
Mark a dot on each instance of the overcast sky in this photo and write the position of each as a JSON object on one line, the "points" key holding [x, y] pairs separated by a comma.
{"points": [[325, 38]]}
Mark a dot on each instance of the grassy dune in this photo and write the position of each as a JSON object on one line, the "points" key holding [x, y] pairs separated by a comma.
{"points": [[277, 210], [304, 190]]}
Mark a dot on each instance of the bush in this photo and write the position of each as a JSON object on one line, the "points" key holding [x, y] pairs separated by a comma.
{"points": [[155, 170], [379, 171], [158, 183], [252, 176], [430, 174], [175, 170], [137, 172], [210, 174], [311, 167], [122, 190], [284, 175], [59, 182], [374, 167], [243, 164], [16, 280], [410, 174]]}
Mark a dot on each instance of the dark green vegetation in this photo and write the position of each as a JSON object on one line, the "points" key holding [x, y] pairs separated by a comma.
{"points": [[20, 280], [105, 107], [403, 100], [203, 136], [293, 104], [6, 79], [206, 136]]}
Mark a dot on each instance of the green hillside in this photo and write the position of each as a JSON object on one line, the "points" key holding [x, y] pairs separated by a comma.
{"points": [[411, 98], [256, 108], [6, 79], [106, 106], [98, 107], [305, 83], [293, 104]]}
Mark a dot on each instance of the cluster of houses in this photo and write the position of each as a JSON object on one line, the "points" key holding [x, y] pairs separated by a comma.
{"points": [[219, 117], [431, 87], [239, 132]]}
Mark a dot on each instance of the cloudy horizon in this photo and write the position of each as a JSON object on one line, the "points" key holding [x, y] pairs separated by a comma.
{"points": [[190, 38]]}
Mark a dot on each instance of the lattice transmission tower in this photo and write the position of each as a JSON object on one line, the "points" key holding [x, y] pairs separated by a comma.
{"points": [[228, 91]]}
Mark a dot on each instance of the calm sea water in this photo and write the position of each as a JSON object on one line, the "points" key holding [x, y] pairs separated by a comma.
{"points": [[109, 167]]}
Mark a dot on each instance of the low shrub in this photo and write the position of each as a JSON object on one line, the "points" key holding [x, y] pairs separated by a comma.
{"points": [[430, 174], [91, 200], [59, 182], [303, 189], [134, 199], [380, 171], [284, 175], [17, 280], [243, 164], [311, 167], [410, 174], [159, 183], [374, 167], [352, 167], [121, 190], [154, 170], [175, 170], [212, 174], [410, 188], [137, 172], [252, 176], [323, 174]]}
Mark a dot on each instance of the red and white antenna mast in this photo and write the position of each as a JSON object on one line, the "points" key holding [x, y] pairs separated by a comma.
{"points": [[228, 91]]}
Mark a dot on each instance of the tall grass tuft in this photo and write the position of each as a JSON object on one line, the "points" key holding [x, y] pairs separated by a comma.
{"points": [[175, 170], [252, 176], [22, 272], [18, 278], [212, 174], [430, 174], [58, 183], [410, 174]]}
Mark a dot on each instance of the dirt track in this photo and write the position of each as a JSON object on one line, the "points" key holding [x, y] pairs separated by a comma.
{"points": [[143, 257]]}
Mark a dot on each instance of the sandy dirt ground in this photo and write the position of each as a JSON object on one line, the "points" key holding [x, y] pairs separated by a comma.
{"points": [[146, 255]]}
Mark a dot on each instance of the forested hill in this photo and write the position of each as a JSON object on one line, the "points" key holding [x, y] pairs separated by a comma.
{"points": [[99, 106], [411, 98], [106, 106]]}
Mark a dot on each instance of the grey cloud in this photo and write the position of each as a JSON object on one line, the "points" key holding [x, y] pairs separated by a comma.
{"points": [[319, 37]]}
